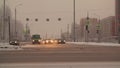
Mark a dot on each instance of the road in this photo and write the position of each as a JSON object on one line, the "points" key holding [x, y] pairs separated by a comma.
{"points": [[61, 53]]}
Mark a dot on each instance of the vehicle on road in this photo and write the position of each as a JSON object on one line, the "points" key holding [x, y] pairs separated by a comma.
{"points": [[14, 42], [49, 41], [61, 41], [36, 39]]}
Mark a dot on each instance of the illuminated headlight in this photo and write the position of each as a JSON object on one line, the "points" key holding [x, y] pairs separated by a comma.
{"points": [[39, 40], [10, 41], [59, 40], [43, 42], [33, 40], [15, 41], [51, 41], [47, 41], [55, 41]]}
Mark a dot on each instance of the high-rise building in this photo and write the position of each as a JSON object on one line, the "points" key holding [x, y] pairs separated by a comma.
{"points": [[117, 12], [91, 27]]}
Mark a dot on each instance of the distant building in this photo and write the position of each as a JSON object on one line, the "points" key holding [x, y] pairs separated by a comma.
{"points": [[117, 12], [91, 27], [108, 26]]}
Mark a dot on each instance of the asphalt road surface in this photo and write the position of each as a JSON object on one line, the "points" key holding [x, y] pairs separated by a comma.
{"points": [[61, 53]]}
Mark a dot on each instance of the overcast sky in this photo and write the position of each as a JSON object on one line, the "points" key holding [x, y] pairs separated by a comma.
{"points": [[54, 9]]}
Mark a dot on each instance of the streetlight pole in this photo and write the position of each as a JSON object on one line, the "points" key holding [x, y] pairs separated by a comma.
{"points": [[16, 19], [9, 28], [15, 24], [4, 20], [74, 34], [26, 32]]}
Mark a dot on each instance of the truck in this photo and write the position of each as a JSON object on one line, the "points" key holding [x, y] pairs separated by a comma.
{"points": [[36, 39]]}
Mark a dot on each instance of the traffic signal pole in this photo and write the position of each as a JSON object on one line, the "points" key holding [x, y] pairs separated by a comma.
{"points": [[87, 28], [74, 33], [98, 30]]}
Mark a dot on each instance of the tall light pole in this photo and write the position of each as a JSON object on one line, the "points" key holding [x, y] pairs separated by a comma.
{"points": [[74, 33], [16, 19], [26, 33], [4, 20]]}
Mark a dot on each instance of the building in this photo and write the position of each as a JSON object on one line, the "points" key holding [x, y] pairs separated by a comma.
{"points": [[117, 10], [108, 26], [92, 35], [108, 29]]}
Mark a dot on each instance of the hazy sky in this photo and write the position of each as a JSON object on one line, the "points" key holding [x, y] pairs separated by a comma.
{"points": [[54, 9]]}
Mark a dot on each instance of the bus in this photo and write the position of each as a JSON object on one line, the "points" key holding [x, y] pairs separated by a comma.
{"points": [[36, 39]]}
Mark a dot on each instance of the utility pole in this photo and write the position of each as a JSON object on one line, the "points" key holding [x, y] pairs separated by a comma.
{"points": [[16, 20], [74, 33], [98, 30], [9, 28], [15, 24], [61, 33], [68, 32], [86, 27], [4, 21]]}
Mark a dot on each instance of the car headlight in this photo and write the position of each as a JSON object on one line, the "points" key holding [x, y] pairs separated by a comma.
{"points": [[51, 41], [59, 40], [15, 41], [39, 40], [33, 40], [43, 42], [47, 41], [55, 41], [10, 41]]}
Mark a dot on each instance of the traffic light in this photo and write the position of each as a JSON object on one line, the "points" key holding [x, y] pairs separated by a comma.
{"points": [[86, 27]]}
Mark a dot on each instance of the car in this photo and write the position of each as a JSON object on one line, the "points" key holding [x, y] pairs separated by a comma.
{"points": [[61, 41], [14, 42], [48, 41]]}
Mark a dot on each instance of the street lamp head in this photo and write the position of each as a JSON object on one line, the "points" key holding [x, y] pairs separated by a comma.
{"points": [[27, 19], [36, 19], [59, 19], [47, 19]]}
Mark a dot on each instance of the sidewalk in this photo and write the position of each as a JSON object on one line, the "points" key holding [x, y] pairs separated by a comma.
{"points": [[6, 46], [94, 43]]}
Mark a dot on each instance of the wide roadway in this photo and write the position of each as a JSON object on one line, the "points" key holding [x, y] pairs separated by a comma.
{"points": [[61, 53]]}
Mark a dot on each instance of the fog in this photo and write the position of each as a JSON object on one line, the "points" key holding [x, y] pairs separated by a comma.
{"points": [[54, 9]]}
